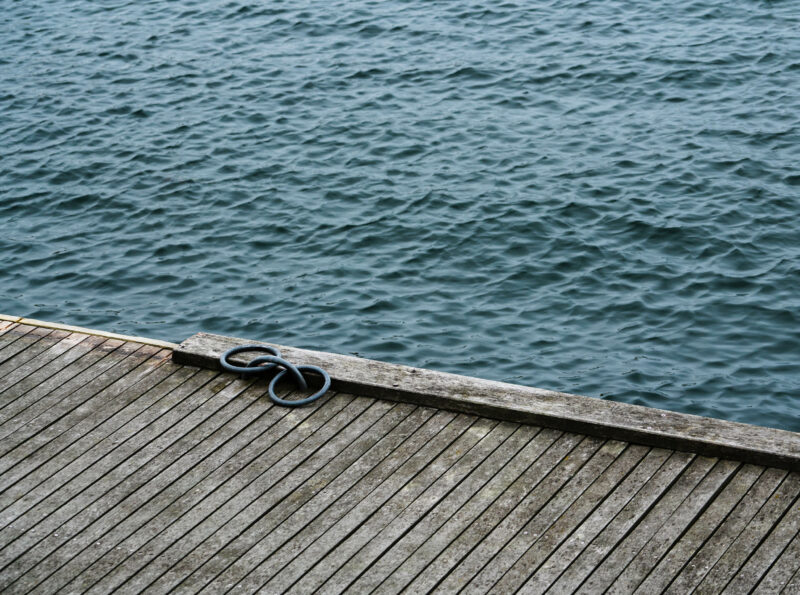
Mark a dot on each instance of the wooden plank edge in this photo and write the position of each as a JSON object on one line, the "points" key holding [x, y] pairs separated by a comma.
{"points": [[521, 404], [87, 331]]}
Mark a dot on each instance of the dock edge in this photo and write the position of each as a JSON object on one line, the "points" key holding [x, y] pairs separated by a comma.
{"points": [[509, 402]]}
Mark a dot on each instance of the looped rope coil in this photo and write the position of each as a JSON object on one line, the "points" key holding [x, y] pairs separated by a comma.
{"points": [[255, 366]]}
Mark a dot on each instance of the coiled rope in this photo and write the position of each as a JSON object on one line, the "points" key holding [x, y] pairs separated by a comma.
{"points": [[264, 363]]}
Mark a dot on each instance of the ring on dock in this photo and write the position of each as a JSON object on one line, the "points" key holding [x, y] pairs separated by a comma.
{"points": [[275, 360]]}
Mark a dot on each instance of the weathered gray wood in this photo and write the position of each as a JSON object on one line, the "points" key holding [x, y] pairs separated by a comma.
{"points": [[544, 476], [54, 464], [497, 467], [302, 530], [105, 482], [22, 352], [674, 526], [742, 547], [142, 367], [573, 501], [662, 574], [639, 506], [647, 527], [409, 556], [713, 549], [539, 549], [599, 519], [378, 537], [781, 572], [146, 564], [319, 570], [9, 332], [519, 512], [768, 552], [39, 392], [94, 402], [145, 512], [16, 340], [435, 457], [620, 421], [328, 483], [131, 504], [313, 474]]}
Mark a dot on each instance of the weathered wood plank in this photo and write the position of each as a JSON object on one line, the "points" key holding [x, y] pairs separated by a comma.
{"points": [[24, 349], [39, 392], [407, 481], [135, 369], [349, 543], [300, 531], [473, 494], [313, 474], [399, 565], [600, 474], [376, 539], [94, 402], [142, 514], [560, 460], [713, 549], [748, 540], [675, 525], [28, 509], [599, 519], [590, 456], [767, 552], [647, 527], [14, 333], [539, 549], [146, 564], [41, 470], [782, 571], [36, 367], [635, 510], [323, 488], [144, 495], [519, 404], [718, 509]]}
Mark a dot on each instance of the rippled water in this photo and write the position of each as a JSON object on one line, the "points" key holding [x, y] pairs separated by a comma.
{"points": [[593, 197]]}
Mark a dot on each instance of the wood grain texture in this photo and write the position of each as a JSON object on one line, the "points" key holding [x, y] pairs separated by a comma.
{"points": [[497, 400], [127, 471]]}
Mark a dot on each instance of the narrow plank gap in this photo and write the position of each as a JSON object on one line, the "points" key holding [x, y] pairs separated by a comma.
{"points": [[599, 519], [299, 554], [782, 570], [497, 467], [171, 501], [17, 342], [701, 529], [573, 469], [324, 487], [753, 534], [302, 530], [725, 535]]}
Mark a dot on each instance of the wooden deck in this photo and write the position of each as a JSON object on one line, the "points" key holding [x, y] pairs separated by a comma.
{"points": [[124, 471]]}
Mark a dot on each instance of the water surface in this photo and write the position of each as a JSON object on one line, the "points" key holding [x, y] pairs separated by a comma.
{"points": [[594, 197]]}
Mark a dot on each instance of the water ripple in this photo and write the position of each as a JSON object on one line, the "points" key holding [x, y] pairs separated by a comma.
{"points": [[598, 198]]}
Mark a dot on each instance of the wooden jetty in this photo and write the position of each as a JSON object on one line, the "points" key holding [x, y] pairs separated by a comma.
{"points": [[131, 465]]}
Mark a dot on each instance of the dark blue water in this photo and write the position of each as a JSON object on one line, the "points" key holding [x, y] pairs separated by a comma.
{"points": [[594, 197]]}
